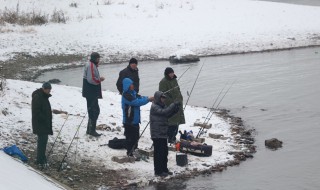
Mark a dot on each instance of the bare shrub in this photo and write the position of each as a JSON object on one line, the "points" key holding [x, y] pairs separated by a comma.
{"points": [[22, 18], [58, 17], [75, 5], [2, 85], [107, 2]]}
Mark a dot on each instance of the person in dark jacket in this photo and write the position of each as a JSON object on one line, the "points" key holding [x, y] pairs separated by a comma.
{"points": [[131, 114], [170, 83], [41, 120], [91, 90], [131, 72], [159, 114]]}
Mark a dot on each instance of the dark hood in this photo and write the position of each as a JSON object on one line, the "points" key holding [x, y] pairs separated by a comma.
{"points": [[157, 97]]}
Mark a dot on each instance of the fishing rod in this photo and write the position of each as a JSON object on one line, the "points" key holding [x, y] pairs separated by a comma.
{"points": [[149, 120], [55, 140], [212, 109], [189, 95], [65, 155]]}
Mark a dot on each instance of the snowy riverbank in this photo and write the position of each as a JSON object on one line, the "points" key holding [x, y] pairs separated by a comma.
{"points": [[15, 128]]}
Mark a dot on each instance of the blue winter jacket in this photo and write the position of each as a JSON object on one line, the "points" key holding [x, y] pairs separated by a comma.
{"points": [[131, 104]]}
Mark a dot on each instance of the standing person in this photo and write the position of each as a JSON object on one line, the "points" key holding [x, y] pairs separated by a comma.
{"points": [[91, 90], [42, 120], [159, 114], [131, 114], [169, 82], [131, 72]]}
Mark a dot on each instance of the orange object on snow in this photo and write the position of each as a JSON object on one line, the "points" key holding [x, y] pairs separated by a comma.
{"points": [[178, 146]]}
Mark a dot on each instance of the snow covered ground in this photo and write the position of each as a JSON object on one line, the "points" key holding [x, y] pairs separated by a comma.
{"points": [[15, 125], [15, 175], [158, 28]]}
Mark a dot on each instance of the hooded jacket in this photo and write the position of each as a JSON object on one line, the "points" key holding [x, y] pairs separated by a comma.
{"points": [[159, 115], [91, 87], [41, 113], [174, 95], [128, 72], [131, 104]]}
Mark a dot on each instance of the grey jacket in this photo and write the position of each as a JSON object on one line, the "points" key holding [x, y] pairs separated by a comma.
{"points": [[159, 115]]}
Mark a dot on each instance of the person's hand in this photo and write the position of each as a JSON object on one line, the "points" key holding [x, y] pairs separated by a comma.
{"points": [[177, 106], [102, 79], [177, 103], [151, 98]]}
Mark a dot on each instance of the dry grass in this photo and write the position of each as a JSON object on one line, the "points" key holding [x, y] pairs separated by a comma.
{"points": [[58, 17], [31, 18]]}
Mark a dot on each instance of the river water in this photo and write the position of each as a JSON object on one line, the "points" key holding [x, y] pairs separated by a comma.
{"points": [[277, 93]]}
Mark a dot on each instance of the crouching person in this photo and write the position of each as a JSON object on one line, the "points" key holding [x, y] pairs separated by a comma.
{"points": [[131, 114], [159, 115]]}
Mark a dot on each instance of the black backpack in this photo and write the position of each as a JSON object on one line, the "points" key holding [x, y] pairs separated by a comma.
{"points": [[116, 143]]}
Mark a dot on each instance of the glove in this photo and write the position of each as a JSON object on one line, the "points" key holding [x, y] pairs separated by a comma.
{"points": [[177, 103], [177, 107]]}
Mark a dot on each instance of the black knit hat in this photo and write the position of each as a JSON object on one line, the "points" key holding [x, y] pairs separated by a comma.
{"points": [[133, 61], [168, 71], [94, 56], [46, 85]]}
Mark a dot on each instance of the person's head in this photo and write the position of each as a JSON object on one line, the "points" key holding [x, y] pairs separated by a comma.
{"points": [[127, 84], [46, 87], [131, 87], [133, 63], [163, 98], [159, 97], [95, 57], [169, 72]]}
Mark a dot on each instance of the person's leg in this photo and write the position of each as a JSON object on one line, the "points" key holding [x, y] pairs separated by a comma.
{"points": [[129, 139], [136, 136], [41, 149], [157, 157], [172, 133], [95, 111], [175, 132], [90, 114]]}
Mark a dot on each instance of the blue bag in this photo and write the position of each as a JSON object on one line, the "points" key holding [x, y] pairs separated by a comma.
{"points": [[15, 151]]}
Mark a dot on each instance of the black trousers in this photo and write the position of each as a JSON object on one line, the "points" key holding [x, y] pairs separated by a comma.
{"points": [[41, 149], [172, 132], [132, 135], [93, 108], [160, 159]]}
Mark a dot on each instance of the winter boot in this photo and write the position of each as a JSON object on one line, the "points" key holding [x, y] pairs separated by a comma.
{"points": [[89, 126], [93, 131]]}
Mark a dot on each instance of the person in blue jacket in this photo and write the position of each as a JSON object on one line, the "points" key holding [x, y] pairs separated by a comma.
{"points": [[131, 114]]}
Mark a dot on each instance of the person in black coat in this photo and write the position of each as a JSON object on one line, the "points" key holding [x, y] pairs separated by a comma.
{"points": [[159, 115], [131, 72], [42, 120]]}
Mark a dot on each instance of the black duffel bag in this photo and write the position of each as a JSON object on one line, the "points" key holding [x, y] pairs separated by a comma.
{"points": [[197, 150], [116, 143]]}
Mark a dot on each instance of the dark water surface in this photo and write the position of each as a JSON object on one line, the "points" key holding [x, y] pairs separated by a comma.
{"points": [[286, 84]]}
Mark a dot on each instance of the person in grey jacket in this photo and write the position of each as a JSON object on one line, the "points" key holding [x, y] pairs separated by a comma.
{"points": [[91, 90], [159, 115]]}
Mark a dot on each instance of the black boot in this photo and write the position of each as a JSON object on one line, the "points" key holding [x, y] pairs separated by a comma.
{"points": [[89, 127], [93, 131]]}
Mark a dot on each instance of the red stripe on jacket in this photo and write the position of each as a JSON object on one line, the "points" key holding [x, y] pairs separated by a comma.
{"points": [[92, 74]]}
